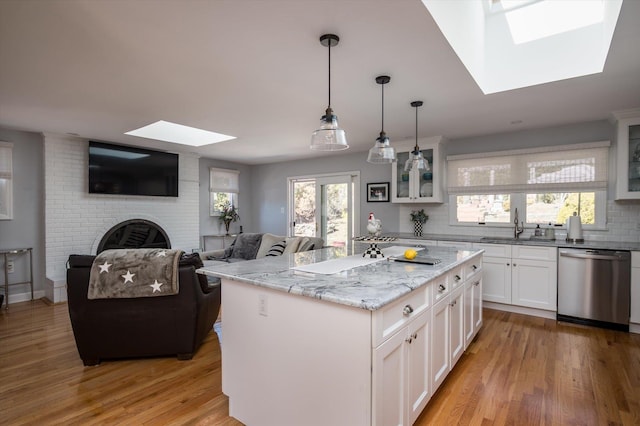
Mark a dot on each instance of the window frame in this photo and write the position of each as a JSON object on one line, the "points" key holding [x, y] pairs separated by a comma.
{"points": [[518, 186], [6, 157], [232, 189]]}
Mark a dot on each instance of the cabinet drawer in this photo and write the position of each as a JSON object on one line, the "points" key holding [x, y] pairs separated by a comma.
{"points": [[472, 267], [535, 253], [457, 276], [391, 318], [635, 259], [440, 288], [494, 250]]}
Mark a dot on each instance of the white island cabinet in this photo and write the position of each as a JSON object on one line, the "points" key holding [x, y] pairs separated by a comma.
{"points": [[352, 348]]}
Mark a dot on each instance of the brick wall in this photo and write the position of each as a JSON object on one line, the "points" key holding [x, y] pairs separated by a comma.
{"points": [[75, 220]]}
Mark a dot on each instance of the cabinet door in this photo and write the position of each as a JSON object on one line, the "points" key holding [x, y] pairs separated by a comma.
{"points": [[417, 186], [389, 380], [628, 170], [440, 343], [477, 305], [534, 284], [456, 321], [496, 279], [469, 320], [418, 361]]}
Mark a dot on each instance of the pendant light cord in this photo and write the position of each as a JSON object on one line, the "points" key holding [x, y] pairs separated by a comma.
{"points": [[329, 74], [416, 147], [382, 108]]}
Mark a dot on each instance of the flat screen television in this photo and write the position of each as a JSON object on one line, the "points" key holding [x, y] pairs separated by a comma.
{"points": [[126, 170]]}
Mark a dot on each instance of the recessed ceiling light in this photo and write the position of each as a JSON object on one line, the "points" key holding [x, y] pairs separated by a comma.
{"points": [[178, 133]]}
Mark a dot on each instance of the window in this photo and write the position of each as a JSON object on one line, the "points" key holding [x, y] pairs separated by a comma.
{"points": [[547, 184], [6, 181], [224, 186]]}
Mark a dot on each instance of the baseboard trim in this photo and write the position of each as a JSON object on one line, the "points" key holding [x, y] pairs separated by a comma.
{"points": [[520, 310]]}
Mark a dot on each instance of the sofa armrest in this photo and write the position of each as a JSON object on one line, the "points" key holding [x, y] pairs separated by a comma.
{"points": [[212, 254]]}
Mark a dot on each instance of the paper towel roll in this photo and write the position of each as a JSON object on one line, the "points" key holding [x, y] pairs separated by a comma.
{"points": [[574, 228]]}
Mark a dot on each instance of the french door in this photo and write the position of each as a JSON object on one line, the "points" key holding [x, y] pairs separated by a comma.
{"points": [[326, 206]]}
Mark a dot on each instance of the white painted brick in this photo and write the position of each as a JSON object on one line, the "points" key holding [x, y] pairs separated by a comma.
{"points": [[75, 220]]}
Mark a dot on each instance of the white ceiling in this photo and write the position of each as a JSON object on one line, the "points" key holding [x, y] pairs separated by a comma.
{"points": [[256, 70]]}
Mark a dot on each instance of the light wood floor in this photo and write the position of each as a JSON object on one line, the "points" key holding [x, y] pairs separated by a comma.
{"points": [[520, 370]]}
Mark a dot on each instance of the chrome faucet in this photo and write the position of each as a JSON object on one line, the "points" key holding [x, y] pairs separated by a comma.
{"points": [[518, 229]]}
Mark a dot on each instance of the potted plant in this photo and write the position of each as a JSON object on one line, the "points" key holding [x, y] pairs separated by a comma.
{"points": [[228, 214], [418, 217]]}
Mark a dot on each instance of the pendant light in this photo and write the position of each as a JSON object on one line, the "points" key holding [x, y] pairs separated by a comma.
{"points": [[382, 153], [416, 160], [329, 137]]}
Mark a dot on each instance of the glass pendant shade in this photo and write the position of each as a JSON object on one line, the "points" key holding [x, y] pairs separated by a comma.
{"points": [[416, 160], [381, 153], [329, 137]]}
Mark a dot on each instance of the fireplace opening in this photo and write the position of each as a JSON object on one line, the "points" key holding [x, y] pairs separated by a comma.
{"points": [[135, 233]]}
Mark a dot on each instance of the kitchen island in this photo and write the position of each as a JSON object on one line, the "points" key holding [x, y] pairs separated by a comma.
{"points": [[366, 345]]}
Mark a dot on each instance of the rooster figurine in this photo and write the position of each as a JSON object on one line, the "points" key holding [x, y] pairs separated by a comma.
{"points": [[374, 226]]}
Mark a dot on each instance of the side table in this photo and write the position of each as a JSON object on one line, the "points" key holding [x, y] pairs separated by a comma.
{"points": [[16, 252]]}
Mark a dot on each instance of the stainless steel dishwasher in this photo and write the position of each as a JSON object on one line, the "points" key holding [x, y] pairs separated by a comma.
{"points": [[594, 287]]}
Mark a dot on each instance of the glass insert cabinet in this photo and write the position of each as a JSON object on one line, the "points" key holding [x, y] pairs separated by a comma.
{"points": [[417, 186], [628, 156]]}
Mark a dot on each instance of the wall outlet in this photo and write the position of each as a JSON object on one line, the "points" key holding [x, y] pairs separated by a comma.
{"points": [[10, 268], [262, 305]]}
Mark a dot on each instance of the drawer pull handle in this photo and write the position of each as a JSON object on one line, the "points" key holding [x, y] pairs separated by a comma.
{"points": [[411, 338], [457, 278], [474, 267], [407, 310], [452, 304], [477, 283], [441, 288]]}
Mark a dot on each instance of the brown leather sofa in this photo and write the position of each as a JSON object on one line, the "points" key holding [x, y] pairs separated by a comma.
{"points": [[141, 327]]}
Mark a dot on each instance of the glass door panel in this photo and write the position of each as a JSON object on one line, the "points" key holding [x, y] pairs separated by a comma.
{"points": [[634, 158], [402, 177], [426, 178], [334, 197], [304, 208]]}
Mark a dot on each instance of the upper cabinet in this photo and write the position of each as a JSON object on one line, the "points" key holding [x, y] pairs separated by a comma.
{"points": [[628, 155], [418, 186]]}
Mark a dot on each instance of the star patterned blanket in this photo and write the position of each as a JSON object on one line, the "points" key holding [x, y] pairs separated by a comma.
{"points": [[129, 273]]}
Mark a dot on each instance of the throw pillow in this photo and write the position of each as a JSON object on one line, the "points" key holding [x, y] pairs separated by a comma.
{"points": [[292, 244], [305, 245], [277, 249], [268, 240], [246, 246]]}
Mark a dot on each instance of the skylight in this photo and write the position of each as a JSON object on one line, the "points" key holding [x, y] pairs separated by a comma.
{"points": [[533, 20], [510, 44], [178, 133]]}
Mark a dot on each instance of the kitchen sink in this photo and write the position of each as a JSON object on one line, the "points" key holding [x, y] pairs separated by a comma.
{"points": [[499, 239]]}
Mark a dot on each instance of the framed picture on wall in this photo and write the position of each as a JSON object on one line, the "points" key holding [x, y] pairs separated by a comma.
{"points": [[378, 192]]}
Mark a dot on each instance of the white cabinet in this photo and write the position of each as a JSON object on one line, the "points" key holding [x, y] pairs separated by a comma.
{"points": [[418, 186], [534, 277], [472, 308], [456, 330], [628, 155], [635, 287], [440, 359], [520, 275]]}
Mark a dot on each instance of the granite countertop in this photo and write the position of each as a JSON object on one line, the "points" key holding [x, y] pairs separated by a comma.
{"points": [[368, 287], [559, 243]]}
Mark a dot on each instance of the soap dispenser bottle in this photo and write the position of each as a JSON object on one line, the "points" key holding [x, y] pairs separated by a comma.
{"points": [[538, 231]]}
